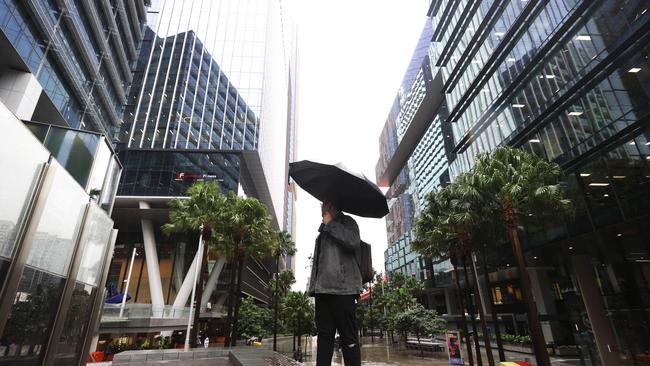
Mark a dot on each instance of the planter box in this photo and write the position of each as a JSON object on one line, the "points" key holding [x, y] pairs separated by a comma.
{"points": [[515, 347], [566, 351]]}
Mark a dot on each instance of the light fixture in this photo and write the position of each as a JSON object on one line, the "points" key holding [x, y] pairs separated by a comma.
{"points": [[647, 143], [547, 76], [585, 174], [534, 257], [619, 235], [631, 143], [575, 113], [511, 59], [582, 37], [598, 184], [533, 140], [518, 105], [605, 195], [570, 248], [499, 34], [634, 70], [618, 177]]}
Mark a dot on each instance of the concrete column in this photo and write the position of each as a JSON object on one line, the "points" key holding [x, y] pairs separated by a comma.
{"points": [[591, 296], [20, 92], [153, 268], [184, 292], [220, 301], [542, 292], [212, 282]]}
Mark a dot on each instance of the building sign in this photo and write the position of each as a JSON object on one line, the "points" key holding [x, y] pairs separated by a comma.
{"points": [[454, 348], [182, 176]]}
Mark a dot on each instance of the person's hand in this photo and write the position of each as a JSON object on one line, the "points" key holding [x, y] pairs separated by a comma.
{"points": [[327, 217]]}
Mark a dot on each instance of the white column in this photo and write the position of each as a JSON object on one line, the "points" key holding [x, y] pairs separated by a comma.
{"points": [[212, 282], [184, 292], [153, 268]]}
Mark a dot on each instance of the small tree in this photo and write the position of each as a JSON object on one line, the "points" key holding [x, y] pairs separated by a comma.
{"points": [[285, 247], [253, 320]]}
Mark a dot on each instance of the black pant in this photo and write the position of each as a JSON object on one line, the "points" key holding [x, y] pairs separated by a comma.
{"points": [[337, 312]]}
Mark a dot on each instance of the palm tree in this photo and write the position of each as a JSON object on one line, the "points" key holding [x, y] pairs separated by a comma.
{"points": [[247, 226], [449, 228], [285, 247], [523, 189], [203, 209]]}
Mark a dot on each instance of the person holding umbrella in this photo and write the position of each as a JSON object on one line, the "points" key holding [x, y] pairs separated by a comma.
{"points": [[335, 280]]}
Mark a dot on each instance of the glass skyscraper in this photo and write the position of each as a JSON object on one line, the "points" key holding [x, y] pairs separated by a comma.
{"points": [[213, 99], [65, 71], [567, 80], [81, 53]]}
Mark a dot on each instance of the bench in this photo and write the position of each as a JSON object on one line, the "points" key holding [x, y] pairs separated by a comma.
{"points": [[425, 344]]}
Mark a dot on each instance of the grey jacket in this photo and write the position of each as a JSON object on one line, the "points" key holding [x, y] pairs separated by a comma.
{"points": [[335, 268]]}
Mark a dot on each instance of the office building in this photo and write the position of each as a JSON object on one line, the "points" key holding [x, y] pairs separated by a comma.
{"points": [[567, 80], [64, 76], [425, 170], [190, 119]]}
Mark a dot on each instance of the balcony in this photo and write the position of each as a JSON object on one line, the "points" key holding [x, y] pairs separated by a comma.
{"points": [[142, 318], [86, 155]]}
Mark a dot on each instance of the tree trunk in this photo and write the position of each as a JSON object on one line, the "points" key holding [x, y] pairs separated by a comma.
{"points": [[275, 303], [242, 260], [231, 297], [495, 317], [470, 306], [539, 344], [199, 295], [463, 321], [372, 328], [417, 334], [481, 311], [294, 341]]}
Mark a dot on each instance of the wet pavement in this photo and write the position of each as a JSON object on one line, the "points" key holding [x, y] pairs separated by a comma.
{"points": [[380, 353]]}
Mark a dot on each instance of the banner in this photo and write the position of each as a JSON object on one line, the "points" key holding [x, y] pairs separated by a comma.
{"points": [[454, 348]]}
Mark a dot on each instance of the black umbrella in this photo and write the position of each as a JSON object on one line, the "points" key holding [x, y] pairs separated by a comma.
{"points": [[349, 191]]}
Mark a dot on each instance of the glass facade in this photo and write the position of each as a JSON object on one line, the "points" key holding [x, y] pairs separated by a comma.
{"points": [[171, 173], [183, 100], [569, 81], [53, 233], [243, 61], [78, 55]]}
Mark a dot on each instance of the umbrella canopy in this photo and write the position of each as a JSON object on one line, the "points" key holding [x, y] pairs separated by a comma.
{"points": [[349, 191]]}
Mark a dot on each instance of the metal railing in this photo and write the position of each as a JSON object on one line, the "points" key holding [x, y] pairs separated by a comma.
{"points": [[144, 311]]}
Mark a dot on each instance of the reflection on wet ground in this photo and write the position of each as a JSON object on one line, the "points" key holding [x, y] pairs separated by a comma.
{"points": [[380, 353]]}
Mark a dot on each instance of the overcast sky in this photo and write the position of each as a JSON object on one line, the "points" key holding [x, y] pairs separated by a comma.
{"points": [[352, 57]]}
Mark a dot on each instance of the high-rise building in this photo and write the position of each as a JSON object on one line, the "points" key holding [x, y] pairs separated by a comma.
{"points": [[567, 80], [424, 171], [64, 76], [213, 98]]}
